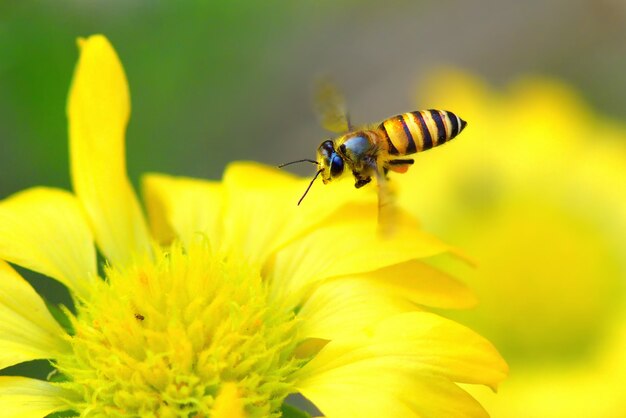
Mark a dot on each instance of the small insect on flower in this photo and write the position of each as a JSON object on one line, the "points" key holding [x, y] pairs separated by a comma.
{"points": [[373, 151]]}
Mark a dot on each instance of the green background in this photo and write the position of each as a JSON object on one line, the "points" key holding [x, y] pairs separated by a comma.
{"points": [[213, 82]]}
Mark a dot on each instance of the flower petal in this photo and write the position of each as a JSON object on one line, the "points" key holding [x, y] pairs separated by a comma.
{"points": [[307, 260], [420, 343], [358, 390], [27, 329], [182, 207], [354, 302], [347, 304], [29, 398], [402, 366], [45, 230], [422, 284], [261, 211], [354, 393], [98, 111]]}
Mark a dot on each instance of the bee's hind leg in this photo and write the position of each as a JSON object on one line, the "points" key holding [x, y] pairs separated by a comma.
{"points": [[400, 161], [399, 165]]}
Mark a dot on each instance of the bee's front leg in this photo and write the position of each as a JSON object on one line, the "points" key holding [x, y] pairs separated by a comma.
{"points": [[362, 173], [362, 182]]}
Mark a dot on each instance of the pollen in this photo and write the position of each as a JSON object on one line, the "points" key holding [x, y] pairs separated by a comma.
{"points": [[162, 339]]}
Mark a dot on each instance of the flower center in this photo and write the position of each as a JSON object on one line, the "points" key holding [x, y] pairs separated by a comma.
{"points": [[162, 337]]}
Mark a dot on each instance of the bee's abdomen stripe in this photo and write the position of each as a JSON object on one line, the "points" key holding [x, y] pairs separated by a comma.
{"points": [[462, 124], [427, 143], [392, 148], [395, 132], [410, 148], [445, 118], [412, 123], [454, 124], [441, 129]]}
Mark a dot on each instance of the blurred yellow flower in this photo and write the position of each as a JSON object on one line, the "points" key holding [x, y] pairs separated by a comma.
{"points": [[229, 298], [534, 191]]}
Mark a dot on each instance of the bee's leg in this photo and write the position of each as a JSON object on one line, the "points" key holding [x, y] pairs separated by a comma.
{"points": [[363, 173], [407, 161], [362, 182], [400, 165]]}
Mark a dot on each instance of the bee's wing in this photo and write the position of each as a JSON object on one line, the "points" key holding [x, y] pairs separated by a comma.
{"points": [[330, 106], [387, 215]]}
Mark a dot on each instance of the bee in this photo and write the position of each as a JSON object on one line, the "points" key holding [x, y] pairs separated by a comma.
{"points": [[373, 151]]}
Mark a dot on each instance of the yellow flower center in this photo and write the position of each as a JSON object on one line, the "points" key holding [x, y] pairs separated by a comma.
{"points": [[161, 339]]}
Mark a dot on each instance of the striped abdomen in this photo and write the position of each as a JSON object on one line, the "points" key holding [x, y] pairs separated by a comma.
{"points": [[419, 131]]}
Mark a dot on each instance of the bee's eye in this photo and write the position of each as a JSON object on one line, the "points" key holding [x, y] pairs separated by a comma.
{"points": [[327, 148], [336, 166]]}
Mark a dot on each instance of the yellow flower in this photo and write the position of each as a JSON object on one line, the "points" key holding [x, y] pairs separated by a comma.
{"points": [[229, 298], [534, 191]]}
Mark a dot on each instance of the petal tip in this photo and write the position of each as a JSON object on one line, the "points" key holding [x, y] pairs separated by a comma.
{"points": [[96, 39]]}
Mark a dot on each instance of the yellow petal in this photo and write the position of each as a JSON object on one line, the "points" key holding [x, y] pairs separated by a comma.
{"points": [[261, 211], [407, 364], [182, 207], [27, 330], [360, 391], [348, 304], [45, 230], [354, 302], [228, 403], [23, 397], [422, 284], [421, 343], [98, 111], [354, 394], [442, 398], [349, 248]]}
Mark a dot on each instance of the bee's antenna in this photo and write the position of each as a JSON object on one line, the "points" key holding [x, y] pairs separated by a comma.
{"points": [[310, 184], [306, 160]]}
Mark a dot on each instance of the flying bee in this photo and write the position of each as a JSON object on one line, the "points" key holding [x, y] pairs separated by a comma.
{"points": [[373, 151]]}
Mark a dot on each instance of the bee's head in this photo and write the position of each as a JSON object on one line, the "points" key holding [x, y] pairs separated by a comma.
{"points": [[330, 162]]}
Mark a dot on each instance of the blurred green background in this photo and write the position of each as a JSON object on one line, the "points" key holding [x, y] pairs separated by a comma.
{"points": [[213, 82]]}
